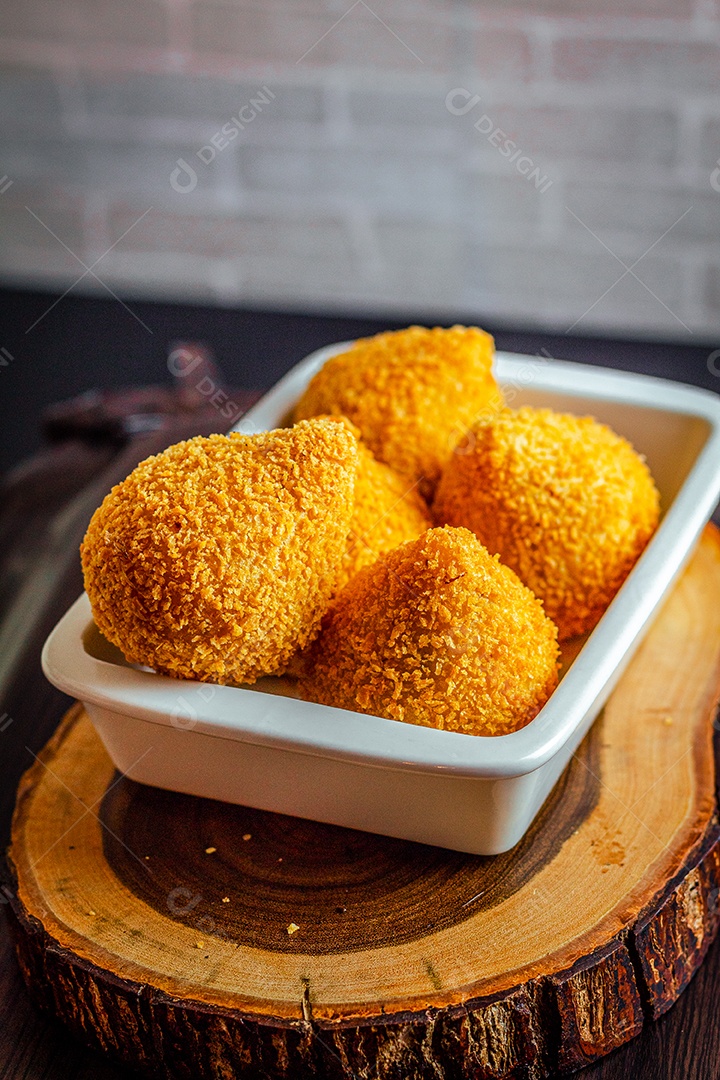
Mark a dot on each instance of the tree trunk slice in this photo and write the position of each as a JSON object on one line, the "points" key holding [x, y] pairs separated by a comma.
{"points": [[161, 927]]}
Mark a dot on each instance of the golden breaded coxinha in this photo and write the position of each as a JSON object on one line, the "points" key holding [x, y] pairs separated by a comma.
{"points": [[412, 393], [216, 559], [387, 511], [437, 633], [564, 501]]}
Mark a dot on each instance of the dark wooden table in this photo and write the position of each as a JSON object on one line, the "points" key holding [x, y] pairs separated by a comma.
{"points": [[42, 513]]}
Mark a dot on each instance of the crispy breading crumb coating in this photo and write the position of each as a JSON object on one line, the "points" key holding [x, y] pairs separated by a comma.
{"points": [[564, 501], [216, 559], [439, 633], [413, 394], [388, 510]]}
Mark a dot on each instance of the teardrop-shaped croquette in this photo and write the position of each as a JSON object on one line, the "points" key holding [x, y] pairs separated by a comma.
{"points": [[563, 500], [438, 633], [216, 559], [412, 393]]}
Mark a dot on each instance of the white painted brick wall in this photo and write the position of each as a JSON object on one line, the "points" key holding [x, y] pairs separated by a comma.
{"points": [[351, 184]]}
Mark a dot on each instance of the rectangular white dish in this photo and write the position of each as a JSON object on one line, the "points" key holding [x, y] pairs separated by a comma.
{"points": [[262, 748]]}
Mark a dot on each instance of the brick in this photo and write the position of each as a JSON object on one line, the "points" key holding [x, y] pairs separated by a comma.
{"points": [[333, 9], [146, 169], [633, 136], [663, 274], [395, 43], [162, 276], [352, 36], [643, 212], [295, 279], [419, 9], [399, 122], [419, 264], [29, 101], [690, 67], [36, 268], [710, 147], [132, 22], [112, 167], [502, 54], [402, 266], [29, 254], [540, 274], [535, 283], [24, 235], [29, 160], [400, 110], [678, 9], [217, 235], [712, 291], [253, 35], [497, 206], [334, 286], [404, 181], [202, 98]]}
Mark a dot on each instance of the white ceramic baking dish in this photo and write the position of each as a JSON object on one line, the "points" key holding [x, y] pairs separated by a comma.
{"points": [[265, 749]]}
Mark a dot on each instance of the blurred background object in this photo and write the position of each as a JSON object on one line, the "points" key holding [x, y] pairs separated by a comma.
{"points": [[536, 164]]}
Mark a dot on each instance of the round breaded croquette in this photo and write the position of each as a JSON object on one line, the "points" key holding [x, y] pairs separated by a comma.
{"points": [[413, 394], [216, 559], [387, 511], [563, 500], [437, 633]]}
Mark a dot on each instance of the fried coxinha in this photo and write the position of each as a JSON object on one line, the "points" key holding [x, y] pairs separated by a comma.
{"points": [[563, 500], [216, 559], [412, 393], [437, 633]]}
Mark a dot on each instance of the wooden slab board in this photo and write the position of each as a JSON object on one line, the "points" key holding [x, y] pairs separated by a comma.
{"points": [[195, 939]]}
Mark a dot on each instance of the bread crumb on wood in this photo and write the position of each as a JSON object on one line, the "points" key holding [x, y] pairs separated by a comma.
{"points": [[210, 850]]}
